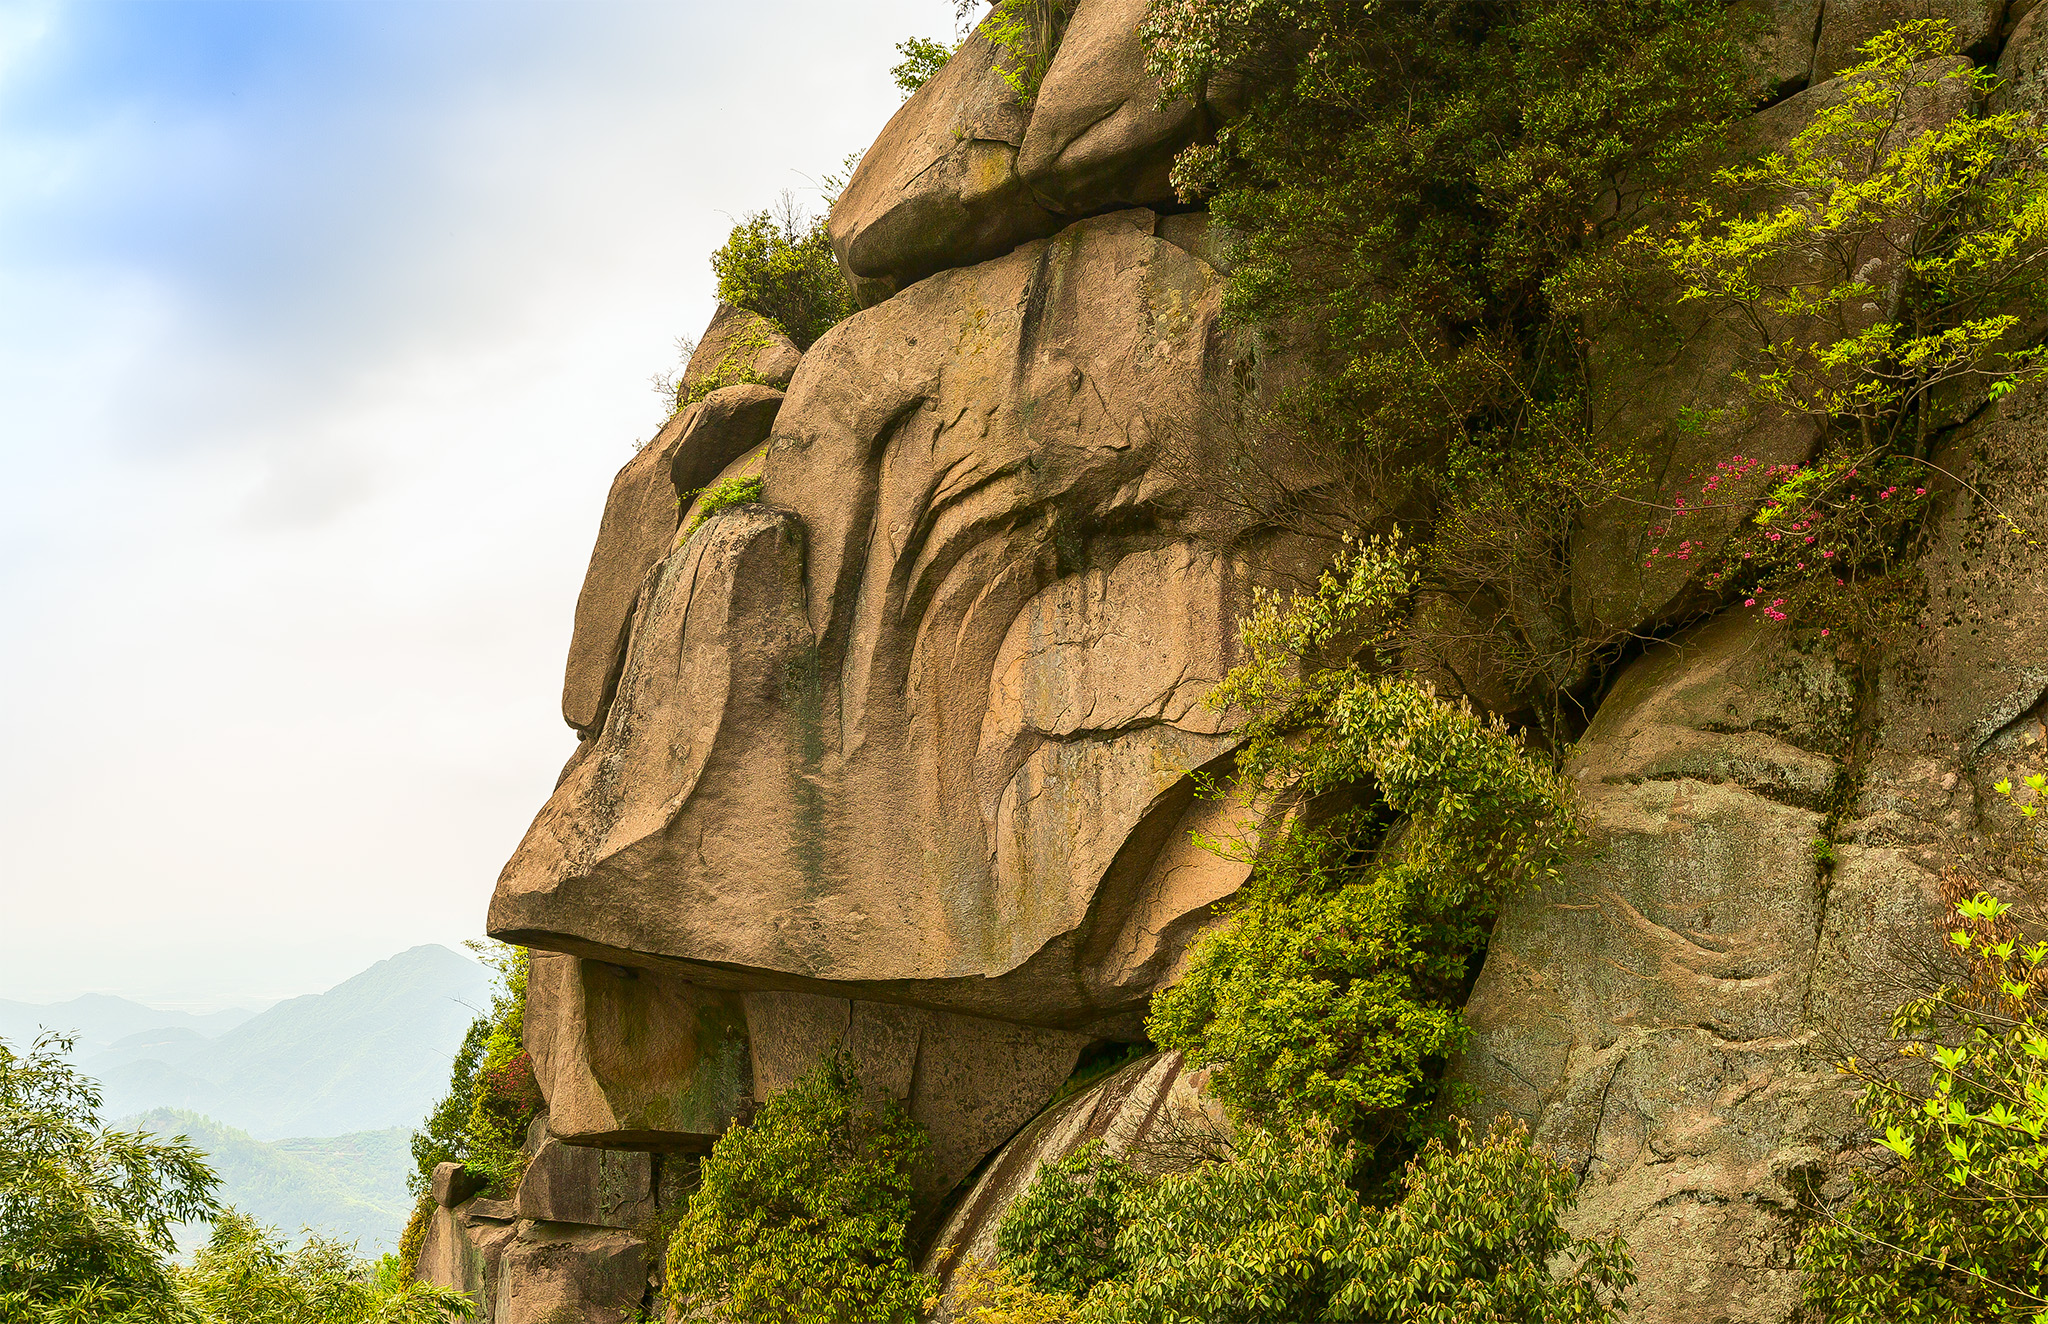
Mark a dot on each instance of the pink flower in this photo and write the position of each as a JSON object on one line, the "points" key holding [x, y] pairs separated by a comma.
{"points": [[1823, 634], [1749, 602], [1826, 555], [1919, 491]]}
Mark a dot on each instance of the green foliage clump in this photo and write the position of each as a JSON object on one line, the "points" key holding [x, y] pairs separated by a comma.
{"points": [[1060, 1235], [1277, 1230], [1028, 33], [780, 264], [87, 1214], [921, 62], [741, 490], [247, 1274], [1956, 1230], [1411, 203], [1333, 988], [492, 1098], [799, 1216]]}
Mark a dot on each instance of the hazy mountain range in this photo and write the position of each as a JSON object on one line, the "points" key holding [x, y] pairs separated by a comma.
{"points": [[351, 1187], [346, 1074], [371, 1052]]}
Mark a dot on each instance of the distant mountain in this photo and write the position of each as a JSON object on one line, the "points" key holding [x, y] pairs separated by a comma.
{"points": [[370, 1053], [351, 1186], [100, 1021]]}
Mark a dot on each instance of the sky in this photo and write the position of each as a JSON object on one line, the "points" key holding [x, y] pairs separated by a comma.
{"points": [[323, 327]]}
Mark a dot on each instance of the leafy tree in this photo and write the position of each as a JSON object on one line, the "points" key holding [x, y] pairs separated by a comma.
{"points": [[1955, 1228], [799, 1216], [922, 60], [1880, 272], [780, 264], [1410, 201], [1333, 988], [1277, 1230], [492, 1098], [87, 1214], [247, 1274]]}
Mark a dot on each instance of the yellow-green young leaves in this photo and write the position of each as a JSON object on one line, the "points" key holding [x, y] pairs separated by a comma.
{"points": [[1880, 255]]}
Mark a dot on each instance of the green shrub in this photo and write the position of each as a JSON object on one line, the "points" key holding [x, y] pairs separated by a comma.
{"points": [[1060, 1235], [799, 1216], [922, 60], [87, 1215], [1277, 1231], [1955, 1229], [1333, 988], [738, 491], [1410, 198], [492, 1098], [247, 1274], [781, 266]]}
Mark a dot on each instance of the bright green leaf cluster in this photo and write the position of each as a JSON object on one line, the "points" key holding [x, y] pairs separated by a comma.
{"points": [[247, 1274], [1899, 233], [799, 1216], [87, 1214], [782, 267], [921, 62], [1060, 1235], [741, 490], [1957, 1229]]}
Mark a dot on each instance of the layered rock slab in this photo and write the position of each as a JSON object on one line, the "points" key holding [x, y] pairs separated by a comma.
{"points": [[917, 726], [1649, 1014], [638, 528], [1154, 1113]]}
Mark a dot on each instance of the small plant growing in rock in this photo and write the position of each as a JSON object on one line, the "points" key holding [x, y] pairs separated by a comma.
{"points": [[736, 491], [1028, 32], [1952, 1227], [921, 62], [799, 1216]]}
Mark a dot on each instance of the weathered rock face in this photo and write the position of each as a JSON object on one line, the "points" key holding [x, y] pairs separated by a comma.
{"points": [[740, 347], [641, 518], [965, 171], [1668, 1015], [896, 761], [1098, 136], [918, 726]]}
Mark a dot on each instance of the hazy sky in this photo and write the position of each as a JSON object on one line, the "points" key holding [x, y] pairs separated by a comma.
{"points": [[323, 326]]}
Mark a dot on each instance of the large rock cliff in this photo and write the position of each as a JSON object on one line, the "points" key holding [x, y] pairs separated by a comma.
{"points": [[901, 757]]}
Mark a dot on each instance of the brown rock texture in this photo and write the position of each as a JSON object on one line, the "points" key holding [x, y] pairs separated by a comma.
{"points": [[631, 1058], [741, 347], [1098, 136], [918, 725]]}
